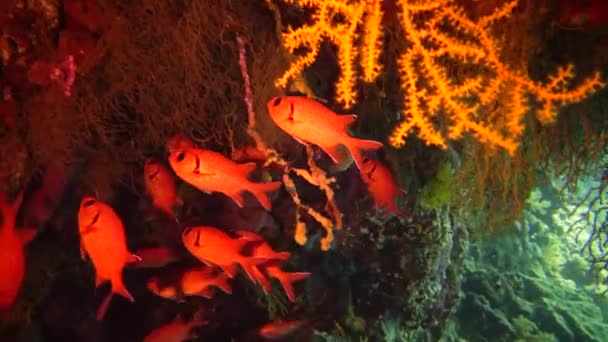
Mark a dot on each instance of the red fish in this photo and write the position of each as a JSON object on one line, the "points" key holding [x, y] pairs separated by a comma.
{"points": [[177, 331], [381, 185], [161, 187], [308, 121], [12, 259], [102, 238], [189, 282], [263, 250], [214, 247], [210, 171], [155, 257], [279, 330]]}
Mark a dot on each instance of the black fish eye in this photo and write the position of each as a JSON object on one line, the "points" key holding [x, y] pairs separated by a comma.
{"points": [[180, 157], [365, 159], [276, 102], [187, 231], [89, 203]]}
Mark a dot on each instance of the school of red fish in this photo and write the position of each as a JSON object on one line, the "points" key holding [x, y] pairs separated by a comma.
{"points": [[222, 252]]}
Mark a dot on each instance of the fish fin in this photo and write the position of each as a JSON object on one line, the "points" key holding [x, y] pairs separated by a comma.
{"points": [[247, 168], [206, 292], [133, 258], [249, 265], [223, 284], [103, 307], [26, 234], [340, 155], [83, 251], [260, 191], [283, 255], [356, 146], [300, 141], [251, 271], [344, 121], [230, 270], [119, 288], [237, 197], [262, 280], [287, 280], [98, 280]]}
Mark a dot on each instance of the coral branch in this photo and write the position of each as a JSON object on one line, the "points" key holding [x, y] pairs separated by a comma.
{"points": [[436, 31]]}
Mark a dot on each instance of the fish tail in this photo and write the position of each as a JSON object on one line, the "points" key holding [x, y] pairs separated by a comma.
{"points": [[261, 190], [357, 146], [223, 283], [287, 280]]}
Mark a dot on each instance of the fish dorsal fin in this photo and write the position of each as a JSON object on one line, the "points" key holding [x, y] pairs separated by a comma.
{"points": [[344, 121], [247, 168]]}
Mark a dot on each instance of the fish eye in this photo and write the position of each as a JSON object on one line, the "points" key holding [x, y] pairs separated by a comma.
{"points": [[180, 157], [88, 203], [365, 160], [187, 231], [276, 102]]}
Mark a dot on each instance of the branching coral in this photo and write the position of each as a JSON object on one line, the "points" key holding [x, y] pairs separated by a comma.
{"points": [[437, 105], [326, 16]]}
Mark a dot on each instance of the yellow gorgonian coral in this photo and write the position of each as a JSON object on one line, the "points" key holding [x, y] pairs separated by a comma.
{"points": [[436, 106], [328, 25]]}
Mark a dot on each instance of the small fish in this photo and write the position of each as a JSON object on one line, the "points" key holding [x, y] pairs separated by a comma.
{"points": [[214, 247], [279, 330], [12, 259], [160, 185], [210, 171], [102, 238], [381, 185], [155, 257], [189, 282], [308, 121], [177, 331], [263, 250]]}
